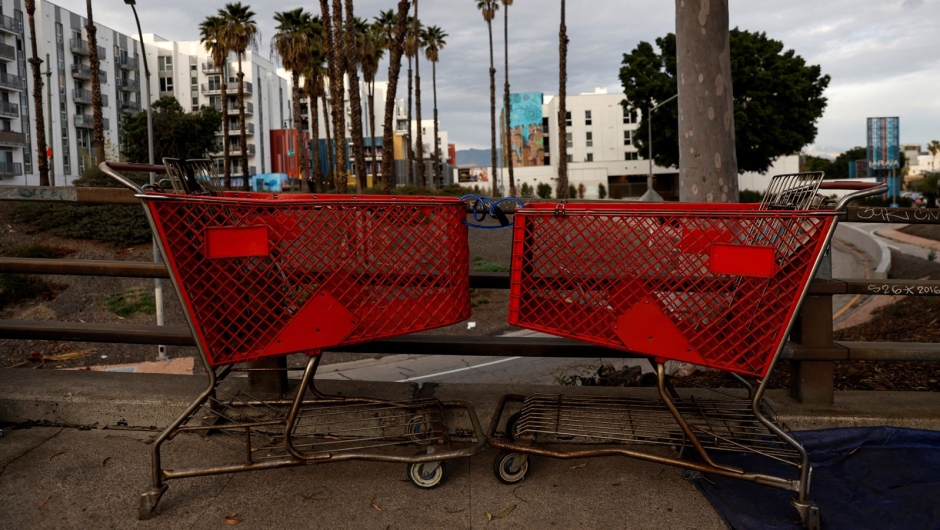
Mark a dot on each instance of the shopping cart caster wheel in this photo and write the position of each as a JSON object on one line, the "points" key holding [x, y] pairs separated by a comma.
{"points": [[419, 430], [512, 426], [510, 468], [149, 500], [426, 478]]}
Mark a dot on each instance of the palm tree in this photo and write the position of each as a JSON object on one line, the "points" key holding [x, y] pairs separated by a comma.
{"points": [[507, 110], [313, 87], [95, 84], [434, 42], [370, 56], [354, 34], [562, 191], [34, 62], [292, 45], [240, 33], [410, 48], [333, 28], [489, 8], [396, 45], [210, 34], [419, 38], [934, 148]]}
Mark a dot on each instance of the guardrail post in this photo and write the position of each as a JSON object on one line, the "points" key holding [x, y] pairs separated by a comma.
{"points": [[811, 382]]}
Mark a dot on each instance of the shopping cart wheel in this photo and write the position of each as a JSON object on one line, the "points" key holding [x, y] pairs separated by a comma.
{"points": [[510, 468], [419, 430], [512, 426], [425, 477], [149, 500]]}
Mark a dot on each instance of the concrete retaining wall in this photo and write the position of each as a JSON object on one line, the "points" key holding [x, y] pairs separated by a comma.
{"points": [[876, 249]]}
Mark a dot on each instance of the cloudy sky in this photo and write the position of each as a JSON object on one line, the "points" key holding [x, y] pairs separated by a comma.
{"points": [[883, 55]]}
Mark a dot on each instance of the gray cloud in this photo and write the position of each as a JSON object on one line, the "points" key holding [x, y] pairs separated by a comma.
{"points": [[880, 53]]}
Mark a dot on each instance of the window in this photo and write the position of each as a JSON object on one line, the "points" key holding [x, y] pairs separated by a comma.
{"points": [[165, 63], [590, 139], [570, 158], [196, 104], [166, 84], [590, 157], [568, 118], [587, 117], [627, 137], [194, 81], [192, 68], [626, 116], [547, 161], [630, 155], [570, 139], [544, 125]]}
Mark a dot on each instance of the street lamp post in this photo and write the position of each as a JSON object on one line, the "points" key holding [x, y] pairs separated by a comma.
{"points": [[651, 195], [158, 283]]}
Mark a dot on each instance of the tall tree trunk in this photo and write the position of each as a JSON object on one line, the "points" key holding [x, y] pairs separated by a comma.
{"points": [[299, 148], [41, 161], [708, 166], [394, 68], [375, 160], [226, 157], [439, 181], [355, 102], [241, 124], [315, 175], [508, 107], [411, 140], [337, 90], [95, 85], [327, 110], [489, 25], [419, 130], [562, 191]]}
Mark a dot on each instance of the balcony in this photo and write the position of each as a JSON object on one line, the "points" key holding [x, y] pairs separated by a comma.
{"points": [[10, 25], [81, 71], [80, 47], [249, 108], [234, 150], [11, 110], [11, 82], [130, 106], [85, 96], [236, 170], [10, 138], [84, 121], [7, 52], [127, 63], [210, 68], [128, 85], [235, 130], [11, 169], [230, 89]]}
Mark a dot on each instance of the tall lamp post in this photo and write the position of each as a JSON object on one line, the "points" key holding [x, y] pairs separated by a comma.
{"points": [[651, 195], [158, 283]]}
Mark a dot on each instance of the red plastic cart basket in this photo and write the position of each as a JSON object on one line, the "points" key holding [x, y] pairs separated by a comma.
{"points": [[265, 274], [711, 284]]}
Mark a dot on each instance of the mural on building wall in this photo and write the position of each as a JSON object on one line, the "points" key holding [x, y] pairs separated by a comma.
{"points": [[525, 121], [474, 174]]}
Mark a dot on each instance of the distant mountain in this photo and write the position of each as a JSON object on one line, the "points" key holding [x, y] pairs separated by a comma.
{"points": [[480, 157]]}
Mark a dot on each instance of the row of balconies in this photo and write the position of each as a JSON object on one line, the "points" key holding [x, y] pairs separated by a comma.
{"points": [[10, 25], [233, 108], [84, 121], [230, 88], [11, 138], [80, 95], [11, 110], [12, 82], [234, 150], [7, 52], [235, 130], [81, 71]]}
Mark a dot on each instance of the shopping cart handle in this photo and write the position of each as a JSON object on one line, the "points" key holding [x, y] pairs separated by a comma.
{"points": [[111, 169], [861, 190]]}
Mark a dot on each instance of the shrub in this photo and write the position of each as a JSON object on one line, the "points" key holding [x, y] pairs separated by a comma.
{"points": [[526, 191], [581, 190], [119, 224], [572, 191], [601, 191], [544, 190], [750, 196]]}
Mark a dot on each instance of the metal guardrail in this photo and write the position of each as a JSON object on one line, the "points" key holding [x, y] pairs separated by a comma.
{"points": [[811, 349]]}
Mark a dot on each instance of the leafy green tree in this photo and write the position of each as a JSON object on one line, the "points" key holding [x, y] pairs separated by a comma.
{"points": [[777, 98], [176, 134], [930, 187], [544, 190]]}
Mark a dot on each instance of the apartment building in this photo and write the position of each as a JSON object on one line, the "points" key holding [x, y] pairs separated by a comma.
{"points": [[14, 109]]}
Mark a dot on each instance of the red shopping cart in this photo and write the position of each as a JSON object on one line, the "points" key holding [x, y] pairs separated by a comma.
{"points": [[264, 275], [711, 284]]}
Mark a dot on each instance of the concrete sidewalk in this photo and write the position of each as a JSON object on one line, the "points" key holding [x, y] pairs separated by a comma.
{"points": [[91, 476]]}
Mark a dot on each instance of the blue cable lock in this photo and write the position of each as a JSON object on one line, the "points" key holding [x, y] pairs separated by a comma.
{"points": [[483, 206]]}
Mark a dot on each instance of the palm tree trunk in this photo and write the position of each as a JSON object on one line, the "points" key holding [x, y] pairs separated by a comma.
{"points": [[95, 85], [419, 133], [327, 110], [299, 148], [315, 175], [339, 99], [439, 181], [241, 124], [411, 153], [489, 25], [34, 62], [355, 100], [562, 191], [508, 107], [394, 68], [375, 171], [226, 161]]}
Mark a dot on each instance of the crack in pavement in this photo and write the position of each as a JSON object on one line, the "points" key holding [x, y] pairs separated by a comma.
{"points": [[30, 450]]}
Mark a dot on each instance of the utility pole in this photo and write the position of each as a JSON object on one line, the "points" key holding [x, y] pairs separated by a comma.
{"points": [[651, 195], [49, 134]]}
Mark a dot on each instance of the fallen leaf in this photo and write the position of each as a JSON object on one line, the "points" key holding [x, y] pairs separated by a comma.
{"points": [[43, 503], [232, 519], [579, 466], [506, 512], [489, 516], [71, 356], [105, 461], [376, 506]]}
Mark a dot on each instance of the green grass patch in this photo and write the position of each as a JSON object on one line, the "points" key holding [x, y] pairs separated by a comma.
{"points": [[131, 301], [481, 265]]}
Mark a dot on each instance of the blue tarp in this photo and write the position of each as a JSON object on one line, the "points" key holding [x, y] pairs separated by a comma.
{"points": [[880, 477]]}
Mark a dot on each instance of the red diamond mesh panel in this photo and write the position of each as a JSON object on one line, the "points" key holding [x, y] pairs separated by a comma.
{"points": [[335, 270], [716, 286]]}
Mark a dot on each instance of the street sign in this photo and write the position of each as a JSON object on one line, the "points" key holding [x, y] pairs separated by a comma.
{"points": [[290, 152]]}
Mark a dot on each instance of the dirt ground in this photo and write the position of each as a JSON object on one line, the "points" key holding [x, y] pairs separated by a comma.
{"points": [[927, 231]]}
